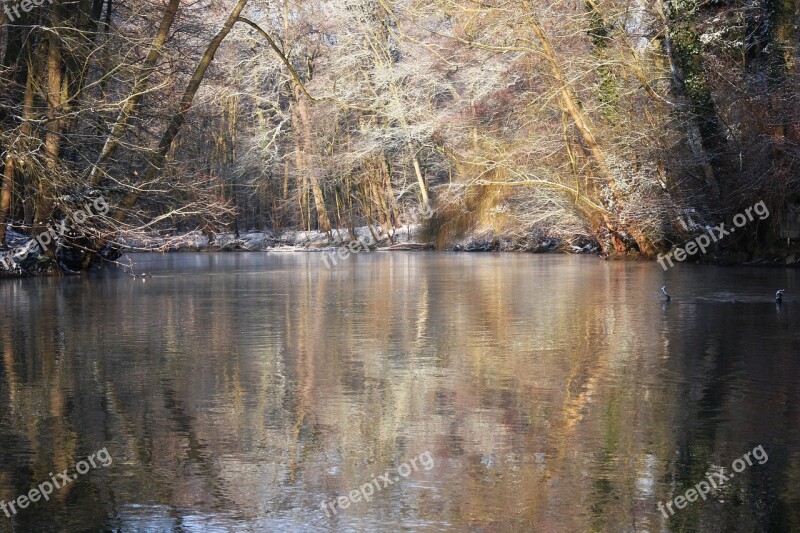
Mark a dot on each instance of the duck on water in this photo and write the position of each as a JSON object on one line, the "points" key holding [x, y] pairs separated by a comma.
{"points": [[778, 295]]}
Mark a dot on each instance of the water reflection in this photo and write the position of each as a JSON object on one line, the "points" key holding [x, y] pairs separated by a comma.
{"points": [[239, 391]]}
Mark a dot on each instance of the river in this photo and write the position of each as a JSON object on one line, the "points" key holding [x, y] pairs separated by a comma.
{"points": [[265, 392]]}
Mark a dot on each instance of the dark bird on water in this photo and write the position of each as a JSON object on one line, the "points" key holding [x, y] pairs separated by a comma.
{"points": [[779, 296], [664, 290]]}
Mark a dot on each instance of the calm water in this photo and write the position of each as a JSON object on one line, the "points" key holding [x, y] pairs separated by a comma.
{"points": [[236, 392]]}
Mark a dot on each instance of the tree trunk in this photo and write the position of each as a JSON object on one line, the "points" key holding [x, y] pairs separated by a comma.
{"points": [[305, 148], [683, 46], [156, 165], [782, 67], [52, 142], [573, 106], [15, 58], [5, 196], [423, 189], [132, 103]]}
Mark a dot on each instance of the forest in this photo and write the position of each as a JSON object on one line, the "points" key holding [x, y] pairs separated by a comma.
{"points": [[618, 127]]}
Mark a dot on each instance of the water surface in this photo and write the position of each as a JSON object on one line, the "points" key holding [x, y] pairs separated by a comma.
{"points": [[237, 392]]}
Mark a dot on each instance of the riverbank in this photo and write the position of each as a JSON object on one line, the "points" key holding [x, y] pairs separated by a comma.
{"points": [[417, 237], [403, 238], [13, 263], [409, 237]]}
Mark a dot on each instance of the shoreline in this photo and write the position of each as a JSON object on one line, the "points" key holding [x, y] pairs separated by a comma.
{"points": [[406, 238]]}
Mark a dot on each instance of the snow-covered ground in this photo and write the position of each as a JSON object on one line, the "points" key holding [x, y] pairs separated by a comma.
{"points": [[290, 240], [407, 237]]}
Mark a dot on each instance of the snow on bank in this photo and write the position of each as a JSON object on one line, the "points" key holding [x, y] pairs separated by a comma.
{"points": [[288, 241], [404, 238]]}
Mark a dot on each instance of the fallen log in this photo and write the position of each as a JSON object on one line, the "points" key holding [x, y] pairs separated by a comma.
{"points": [[411, 246]]}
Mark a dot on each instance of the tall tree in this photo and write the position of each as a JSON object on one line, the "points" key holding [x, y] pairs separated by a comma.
{"points": [[156, 163]]}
